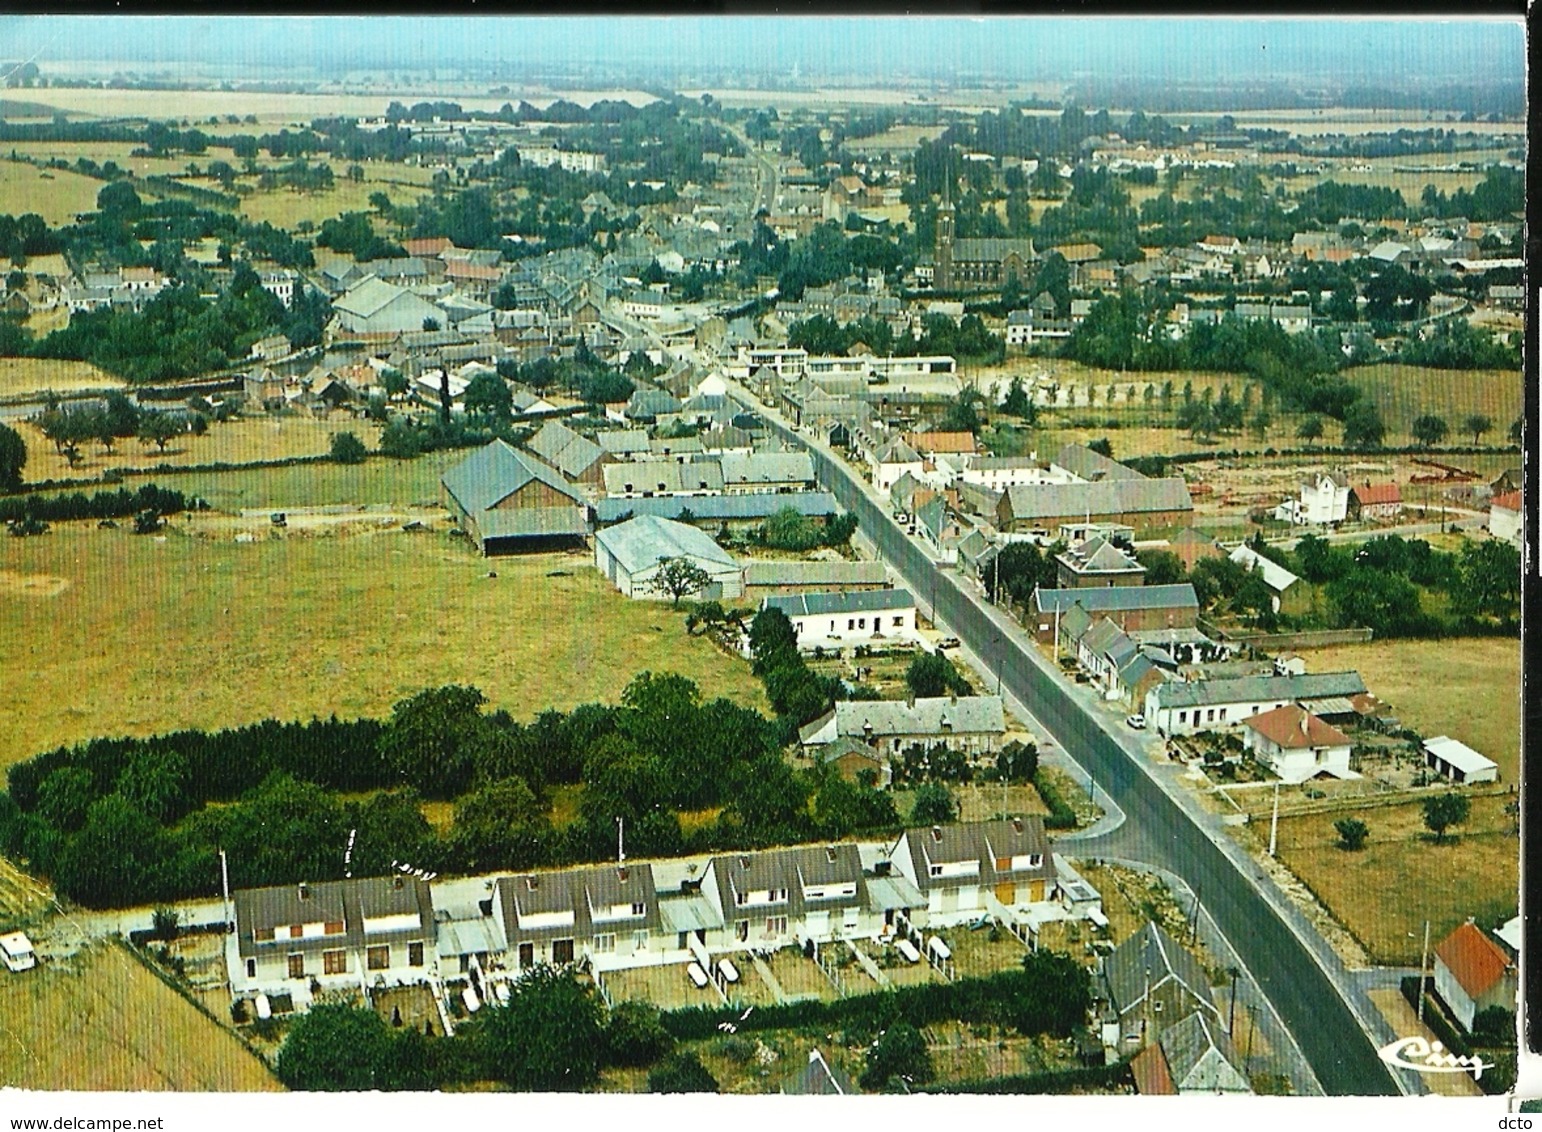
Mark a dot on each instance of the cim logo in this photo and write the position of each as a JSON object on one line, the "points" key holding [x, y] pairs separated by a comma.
{"points": [[1430, 1057]]}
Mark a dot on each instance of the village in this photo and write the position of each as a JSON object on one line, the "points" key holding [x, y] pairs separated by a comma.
{"points": [[735, 595]]}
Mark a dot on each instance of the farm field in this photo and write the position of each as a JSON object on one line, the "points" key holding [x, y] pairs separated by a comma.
{"points": [[119, 152], [1384, 892], [126, 1032], [55, 195], [1469, 689], [1405, 392], [127, 635], [404, 483], [285, 208], [238, 441], [20, 377]]}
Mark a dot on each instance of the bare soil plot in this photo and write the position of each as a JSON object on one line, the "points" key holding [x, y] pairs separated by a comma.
{"points": [[982, 801], [407, 1007], [153, 635], [103, 1022], [1384, 892], [1468, 688], [963, 1052]]}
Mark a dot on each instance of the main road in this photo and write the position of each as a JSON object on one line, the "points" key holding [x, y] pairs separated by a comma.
{"points": [[1303, 995]]}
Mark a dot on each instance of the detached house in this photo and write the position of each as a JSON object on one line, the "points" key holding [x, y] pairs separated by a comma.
{"points": [[831, 620], [1472, 973], [363, 933], [1290, 594], [1297, 745], [1324, 500], [1152, 982], [1375, 501], [1194, 1056], [1185, 707]]}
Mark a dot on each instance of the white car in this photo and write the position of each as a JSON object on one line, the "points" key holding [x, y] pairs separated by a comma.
{"points": [[1136, 721]]}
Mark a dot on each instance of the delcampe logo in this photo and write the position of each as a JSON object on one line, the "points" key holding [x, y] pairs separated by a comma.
{"points": [[1430, 1057]]}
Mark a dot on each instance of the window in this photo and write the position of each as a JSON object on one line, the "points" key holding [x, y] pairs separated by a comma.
{"points": [[295, 931], [628, 487], [639, 909], [861, 622], [898, 622], [251, 968], [741, 897], [851, 622], [1210, 715], [742, 929], [1183, 717], [1035, 860], [296, 966], [378, 958], [1003, 864], [414, 955], [778, 895], [640, 938], [776, 925], [936, 870], [334, 962], [1223, 713], [333, 927], [561, 951], [604, 944], [262, 935]]}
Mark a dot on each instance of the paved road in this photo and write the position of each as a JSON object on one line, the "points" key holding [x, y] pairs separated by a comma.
{"points": [[1157, 829]]}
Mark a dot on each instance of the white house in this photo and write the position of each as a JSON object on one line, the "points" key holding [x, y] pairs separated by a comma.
{"points": [[1297, 745], [1324, 500], [892, 461], [1458, 762], [831, 620], [348, 934], [974, 724], [1472, 973], [1504, 517], [1001, 472], [632, 553], [1186, 707]]}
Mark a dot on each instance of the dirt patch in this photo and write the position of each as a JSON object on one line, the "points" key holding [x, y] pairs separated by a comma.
{"points": [[13, 584]]}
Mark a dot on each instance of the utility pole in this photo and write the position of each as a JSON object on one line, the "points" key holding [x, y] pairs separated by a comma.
{"points": [[1247, 1058], [1424, 960], [1231, 1017], [225, 888], [1274, 822]]}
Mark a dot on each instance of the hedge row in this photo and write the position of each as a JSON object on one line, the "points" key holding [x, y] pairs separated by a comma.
{"points": [[1061, 815], [1050, 1082], [103, 505], [1050, 994]]}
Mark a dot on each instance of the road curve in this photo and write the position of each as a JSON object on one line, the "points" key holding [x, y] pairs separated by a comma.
{"points": [[1306, 1000]]}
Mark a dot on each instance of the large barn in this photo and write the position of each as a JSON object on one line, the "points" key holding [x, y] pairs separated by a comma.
{"points": [[632, 553], [509, 502]]}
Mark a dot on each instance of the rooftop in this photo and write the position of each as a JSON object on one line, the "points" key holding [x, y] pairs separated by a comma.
{"points": [[639, 543]]}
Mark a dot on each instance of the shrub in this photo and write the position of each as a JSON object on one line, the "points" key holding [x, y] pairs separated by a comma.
{"points": [[1352, 833], [348, 449], [683, 1073]]}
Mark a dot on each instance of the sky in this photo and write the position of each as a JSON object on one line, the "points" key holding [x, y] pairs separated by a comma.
{"points": [[1020, 49]]}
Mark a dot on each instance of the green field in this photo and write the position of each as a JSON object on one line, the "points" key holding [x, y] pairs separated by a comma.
{"points": [[405, 483], [53, 194], [105, 633]]}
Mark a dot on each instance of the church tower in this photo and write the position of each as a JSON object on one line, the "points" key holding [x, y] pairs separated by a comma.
{"points": [[942, 278]]}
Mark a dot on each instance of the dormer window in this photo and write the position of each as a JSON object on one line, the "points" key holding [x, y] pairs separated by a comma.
{"points": [[936, 870]]}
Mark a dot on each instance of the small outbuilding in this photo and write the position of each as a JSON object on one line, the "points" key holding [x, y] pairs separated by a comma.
{"points": [[1458, 762]]}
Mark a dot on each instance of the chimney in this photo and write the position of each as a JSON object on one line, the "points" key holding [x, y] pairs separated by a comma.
{"points": [[936, 833], [1017, 825], [396, 882], [305, 891], [830, 853]]}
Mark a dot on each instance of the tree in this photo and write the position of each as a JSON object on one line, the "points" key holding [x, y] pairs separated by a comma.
{"points": [[678, 577], [118, 198], [159, 428], [1017, 762], [934, 805], [348, 449], [13, 458], [963, 414], [1163, 567], [1428, 429], [400, 440], [1259, 424], [1488, 579], [681, 1073], [393, 381], [899, 1055], [1102, 446], [164, 922], [332, 1048], [1443, 811], [1310, 430], [1494, 1026], [436, 738], [1363, 426], [932, 674], [550, 1036], [488, 395], [1352, 833], [1517, 430], [1477, 424], [635, 1035]]}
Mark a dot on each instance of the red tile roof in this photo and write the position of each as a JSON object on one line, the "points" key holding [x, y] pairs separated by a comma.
{"points": [[427, 246], [941, 441], [1293, 727], [460, 269], [1379, 493], [1152, 1078], [1474, 960], [1510, 501]]}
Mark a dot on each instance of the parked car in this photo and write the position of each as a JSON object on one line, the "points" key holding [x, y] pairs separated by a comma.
{"points": [[948, 643], [1136, 721]]}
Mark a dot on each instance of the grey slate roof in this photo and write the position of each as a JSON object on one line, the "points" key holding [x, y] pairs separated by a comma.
{"points": [[753, 505], [984, 842], [564, 449], [1185, 1044], [348, 901], [819, 1079], [624, 441], [1097, 599], [1309, 685], [767, 468], [1105, 497], [1152, 949], [780, 573], [793, 869], [639, 543], [859, 601], [492, 473], [965, 715], [582, 891], [1082, 461], [665, 477]]}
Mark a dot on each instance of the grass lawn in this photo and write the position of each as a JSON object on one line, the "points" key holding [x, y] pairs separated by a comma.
{"points": [[55, 195], [102, 1022], [107, 633], [1384, 892], [21, 376], [235, 442], [284, 208], [1468, 688], [400, 482], [1405, 392]]}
